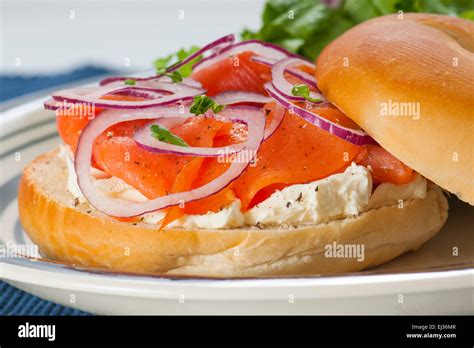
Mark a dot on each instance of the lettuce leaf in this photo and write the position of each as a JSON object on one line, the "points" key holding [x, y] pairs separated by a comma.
{"points": [[306, 26]]}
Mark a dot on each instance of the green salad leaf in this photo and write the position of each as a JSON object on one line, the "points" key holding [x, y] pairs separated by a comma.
{"points": [[307, 26]]}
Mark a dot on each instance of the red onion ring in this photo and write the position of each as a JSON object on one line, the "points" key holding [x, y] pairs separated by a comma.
{"points": [[259, 47], [157, 81], [303, 76], [109, 80], [146, 141], [234, 97], [282, 85], [218, 44], [253, 117], [141, 92], [215, 47], [144, 80], [52, 104], [191, 82], [92, 95], [276, 121], [357, 137]]}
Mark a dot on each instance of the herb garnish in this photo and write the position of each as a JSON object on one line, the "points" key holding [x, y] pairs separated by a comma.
{"points": [[162, 134], [130, 82], [202, 103], [175, 76], [302, 90], [163, 64]]}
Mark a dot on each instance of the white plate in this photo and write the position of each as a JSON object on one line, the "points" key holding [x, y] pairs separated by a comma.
{"points": [[429, 281]]}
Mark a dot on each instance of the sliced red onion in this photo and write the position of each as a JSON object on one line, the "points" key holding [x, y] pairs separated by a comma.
{"points": [[258, 47], [219, 47], [187, 81], [113, 79], [234, 97], [303, 76], [192, 82], [357, 137], [145, 80], [215, 47], [282, 85], [179, 92], [145, 140], [253, 117], [276, 121], [217, 44], [141, 92], [52, 104]]}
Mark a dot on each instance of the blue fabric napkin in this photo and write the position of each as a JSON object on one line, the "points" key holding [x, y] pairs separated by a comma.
{"points": [[12, 86], [12, 300]]}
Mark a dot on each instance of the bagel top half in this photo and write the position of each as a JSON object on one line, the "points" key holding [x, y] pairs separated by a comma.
{"points": [[408, 81]]}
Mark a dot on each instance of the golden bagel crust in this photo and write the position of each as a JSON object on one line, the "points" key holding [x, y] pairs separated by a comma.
{"points": [[85, 237], [416, 58]]}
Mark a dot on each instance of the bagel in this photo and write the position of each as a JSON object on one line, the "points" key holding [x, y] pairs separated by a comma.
{"points": [[407, 80], [82, 236], [421, 61]]}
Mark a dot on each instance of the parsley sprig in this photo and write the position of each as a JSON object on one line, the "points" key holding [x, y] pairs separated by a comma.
{"points": [[163, 134], [175, 76], [302, 90], [202, 103], [163, 64]]}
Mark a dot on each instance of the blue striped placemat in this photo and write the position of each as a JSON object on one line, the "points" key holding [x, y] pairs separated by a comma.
{"points": [[12, 300]]}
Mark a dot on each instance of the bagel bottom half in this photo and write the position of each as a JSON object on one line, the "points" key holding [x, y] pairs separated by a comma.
{"points": [[78, 234]]}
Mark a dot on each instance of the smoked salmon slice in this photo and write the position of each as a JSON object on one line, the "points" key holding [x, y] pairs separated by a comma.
{"points": [[297, 152], [234, 73], [384, 166]]}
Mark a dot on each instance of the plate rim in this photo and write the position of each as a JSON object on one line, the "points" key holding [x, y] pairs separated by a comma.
{"points": [[74, 279], [202, 289]]}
